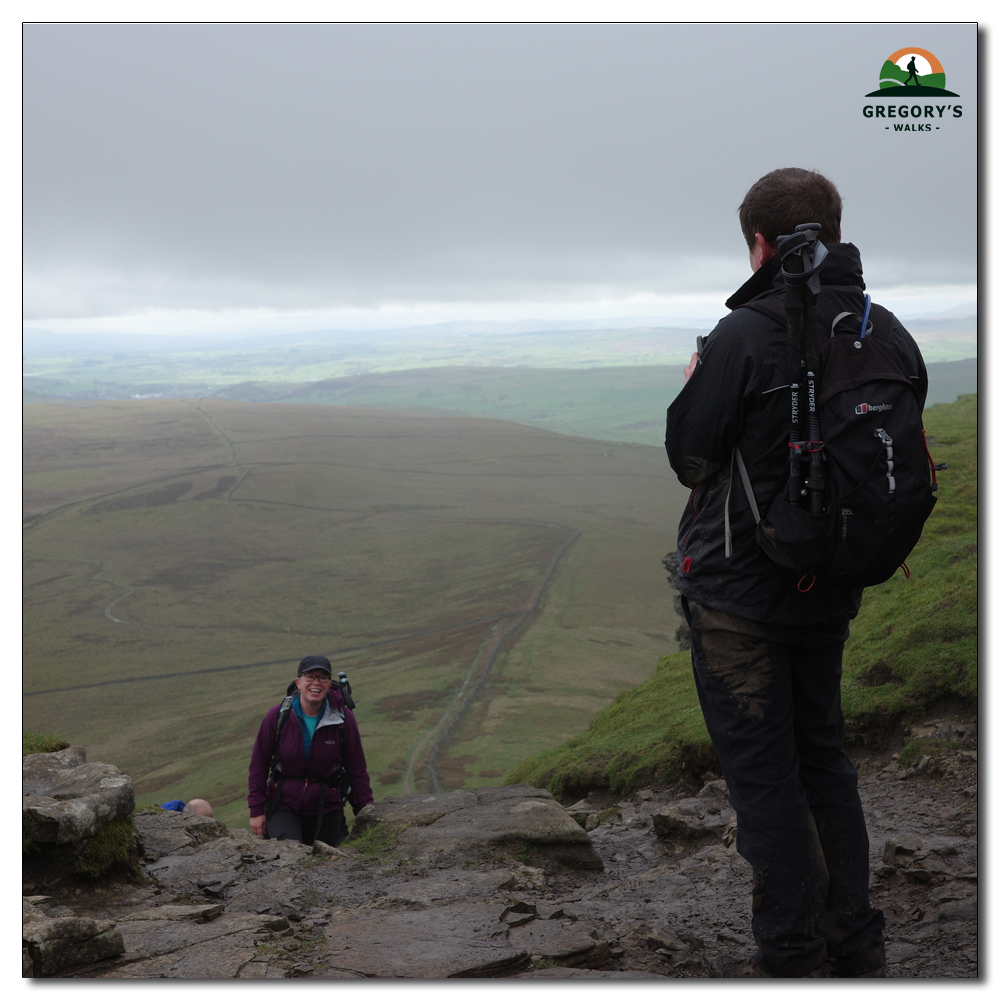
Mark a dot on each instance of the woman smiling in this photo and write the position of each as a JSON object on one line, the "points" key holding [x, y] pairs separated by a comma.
{"points": [[302, 771]]}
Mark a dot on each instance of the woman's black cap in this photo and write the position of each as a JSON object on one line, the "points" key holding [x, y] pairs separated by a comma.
{"points": [[315, 663]]}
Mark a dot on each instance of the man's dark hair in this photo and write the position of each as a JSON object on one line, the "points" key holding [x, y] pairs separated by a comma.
{"points": [[786, 198]]}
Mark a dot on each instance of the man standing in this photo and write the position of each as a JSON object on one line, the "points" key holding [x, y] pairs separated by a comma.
{"points": [[766, 647]]}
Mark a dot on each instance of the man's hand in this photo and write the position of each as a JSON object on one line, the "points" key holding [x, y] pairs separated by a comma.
{"points": [[689, 369], [258, 824]]}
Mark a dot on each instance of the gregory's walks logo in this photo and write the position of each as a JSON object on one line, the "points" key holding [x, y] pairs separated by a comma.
{"points": [[918, 71], [914, 76]]}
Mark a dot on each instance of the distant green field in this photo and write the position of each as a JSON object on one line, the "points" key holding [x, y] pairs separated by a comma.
{"points": [[61, 366], [120, 367], [622, 403], [180, 556]]}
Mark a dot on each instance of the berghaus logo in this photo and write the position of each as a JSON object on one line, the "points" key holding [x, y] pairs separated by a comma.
{"points": [[872, 407]]}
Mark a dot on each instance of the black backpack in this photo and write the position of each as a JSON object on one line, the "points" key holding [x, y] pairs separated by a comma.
{"points": [[861, 481]]}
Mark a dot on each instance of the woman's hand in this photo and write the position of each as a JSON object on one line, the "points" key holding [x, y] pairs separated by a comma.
{"points": [[258, 825], [689, 369]]}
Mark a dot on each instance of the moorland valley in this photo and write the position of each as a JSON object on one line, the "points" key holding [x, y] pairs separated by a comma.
{"points": [[182, 555]]}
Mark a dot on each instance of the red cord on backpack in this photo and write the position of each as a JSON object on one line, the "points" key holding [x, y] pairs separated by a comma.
{"points": [[930, 462], [906, 571], [805, 590]]}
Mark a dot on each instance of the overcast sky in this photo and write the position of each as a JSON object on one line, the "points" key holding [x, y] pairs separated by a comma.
{"points": [[186, 177]]}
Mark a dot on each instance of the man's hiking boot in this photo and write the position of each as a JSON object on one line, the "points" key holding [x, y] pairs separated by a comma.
{"points": [[754, 971], [881, 972]]}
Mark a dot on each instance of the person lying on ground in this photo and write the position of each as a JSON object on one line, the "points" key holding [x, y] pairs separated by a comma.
{"points": [[199, 807]]}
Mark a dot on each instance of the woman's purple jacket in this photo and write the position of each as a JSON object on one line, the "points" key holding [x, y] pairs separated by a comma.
{"points": [[301, 790]]}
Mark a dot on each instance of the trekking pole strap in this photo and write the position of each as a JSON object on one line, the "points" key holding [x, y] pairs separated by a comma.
{"points": [[746, 485], [744, 475]]}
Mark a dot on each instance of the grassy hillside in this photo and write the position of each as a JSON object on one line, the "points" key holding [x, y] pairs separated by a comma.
{"points": [[181, 556], [914, 643]]}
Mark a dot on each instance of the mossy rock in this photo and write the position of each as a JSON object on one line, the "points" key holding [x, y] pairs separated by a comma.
{"points": [[41, 743]]}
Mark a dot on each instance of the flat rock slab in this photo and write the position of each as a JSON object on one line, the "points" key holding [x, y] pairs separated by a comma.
{"points": [[268, 890], [210, 866], [172, 911], [565, 972], [145, 938], [514, 815], [690, 819], [162, 833], [458, 940], [52, 944], [66, 800], [267, 968], [208, 960], [453, 886], [211, 869], [565, 942]]}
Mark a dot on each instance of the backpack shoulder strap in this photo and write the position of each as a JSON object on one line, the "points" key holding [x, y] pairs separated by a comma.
{"points": [[745, 476], [274, 771], [283, 713]]}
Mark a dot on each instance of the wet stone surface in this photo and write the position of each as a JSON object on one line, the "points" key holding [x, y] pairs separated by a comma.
{"points": [[671, 901]]}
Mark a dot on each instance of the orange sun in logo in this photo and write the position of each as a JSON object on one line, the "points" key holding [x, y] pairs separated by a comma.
{"points": [[933, 61]]}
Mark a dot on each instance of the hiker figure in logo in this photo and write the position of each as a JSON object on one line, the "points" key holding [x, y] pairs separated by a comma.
{"points": [[911, 68], [307, 762]]}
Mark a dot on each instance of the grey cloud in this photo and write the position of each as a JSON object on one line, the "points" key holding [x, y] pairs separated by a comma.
{"points": [[202, 166]]}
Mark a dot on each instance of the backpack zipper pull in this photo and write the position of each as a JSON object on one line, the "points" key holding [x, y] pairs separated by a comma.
{"points": [[887, 441]]}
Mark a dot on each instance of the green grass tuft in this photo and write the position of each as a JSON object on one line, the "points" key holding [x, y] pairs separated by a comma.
{"points": [[41, 743], [920, 747], [112, 847], [377, 838], [915, 642], [544, 963]]}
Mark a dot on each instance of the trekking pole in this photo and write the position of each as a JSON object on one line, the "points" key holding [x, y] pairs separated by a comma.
{"points": [[814, 484], [801, 256], [345, 689], [794, 317]]}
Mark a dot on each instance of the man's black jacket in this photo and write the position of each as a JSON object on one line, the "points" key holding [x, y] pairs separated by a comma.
{"points": [[738, 395]]}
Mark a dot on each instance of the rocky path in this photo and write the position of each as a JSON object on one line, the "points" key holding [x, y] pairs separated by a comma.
{"points": [[505, 882]]}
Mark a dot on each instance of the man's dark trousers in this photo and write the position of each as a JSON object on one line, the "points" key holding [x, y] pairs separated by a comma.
{"points": [[771, 700]]}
